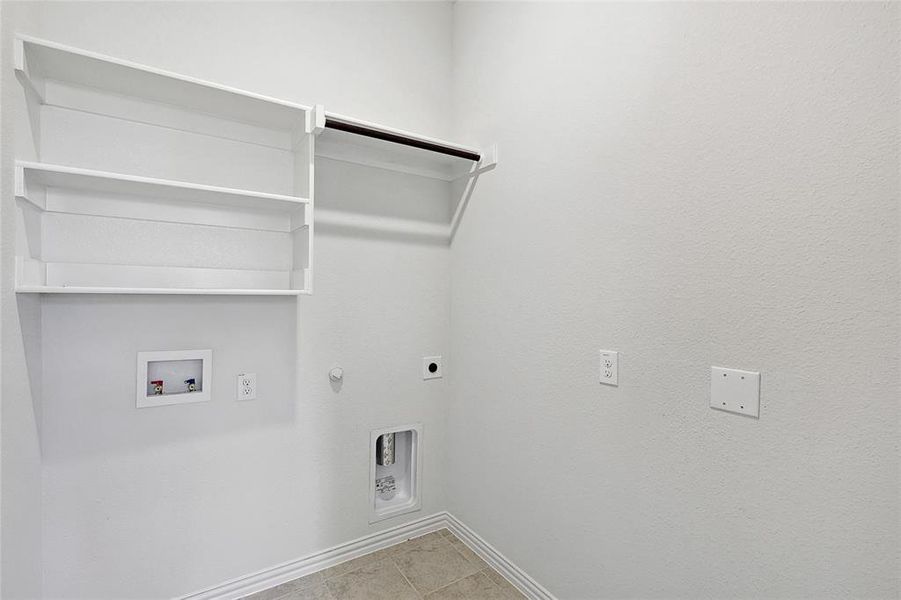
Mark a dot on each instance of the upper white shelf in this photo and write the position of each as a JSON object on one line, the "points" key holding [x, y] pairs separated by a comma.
{"points": [[340, 137], [88, 109], [31, 176], [37, 60]]}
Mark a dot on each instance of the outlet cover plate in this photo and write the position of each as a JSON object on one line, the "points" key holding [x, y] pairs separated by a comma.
{"points": [[247, 386], [609, 367], [735, 391], [432, 367]]}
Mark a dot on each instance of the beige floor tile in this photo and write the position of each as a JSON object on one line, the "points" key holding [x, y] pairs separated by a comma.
{"points": [[469, 555], [473, 587], [429, 569], [429, 541], [316, 592], [435, 562], [450, 536], [355, 563], [380, 580], [391, 549], [501, 582], [398, 548], [287, 588]]}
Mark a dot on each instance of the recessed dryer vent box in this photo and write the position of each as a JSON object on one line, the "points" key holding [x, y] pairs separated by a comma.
{"points": [[395, 470], [174, 377]]}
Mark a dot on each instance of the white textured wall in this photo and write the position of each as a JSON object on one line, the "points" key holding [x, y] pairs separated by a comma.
{"points": [[692, 185], [20, 458], [162, 502]]}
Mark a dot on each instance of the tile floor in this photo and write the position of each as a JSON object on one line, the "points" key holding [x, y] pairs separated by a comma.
{"points": [[436, 566]]}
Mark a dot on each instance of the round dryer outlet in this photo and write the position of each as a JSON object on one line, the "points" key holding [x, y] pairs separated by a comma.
{"points": [[431, 367]]}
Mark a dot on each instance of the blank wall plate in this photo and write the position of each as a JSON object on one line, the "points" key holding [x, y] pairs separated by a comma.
{"points": [[735, 391]]}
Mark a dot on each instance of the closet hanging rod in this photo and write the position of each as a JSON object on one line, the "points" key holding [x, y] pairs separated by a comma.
{"points": [[356, 128]]}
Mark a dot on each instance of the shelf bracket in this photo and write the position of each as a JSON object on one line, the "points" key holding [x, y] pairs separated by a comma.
{"points": [[34, 194], [314, 124], [489, 159], [316, 120], [486, 163], [29, 80]]}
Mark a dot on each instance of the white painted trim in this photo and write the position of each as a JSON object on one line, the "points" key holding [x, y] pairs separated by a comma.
{"points": [[317, 120], [280, 114], [78, 54], [104, 181], [512, 573], [267, 578], [46, 289], [288, 571]]}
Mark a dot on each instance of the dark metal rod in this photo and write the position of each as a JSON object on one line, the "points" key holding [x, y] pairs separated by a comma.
{"points": [[400, 139]]}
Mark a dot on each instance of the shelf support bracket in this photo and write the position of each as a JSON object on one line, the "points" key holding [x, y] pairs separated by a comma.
{"points": [[316, 120], [486, 163], [29, 80], [489, 159], [314, 124]]}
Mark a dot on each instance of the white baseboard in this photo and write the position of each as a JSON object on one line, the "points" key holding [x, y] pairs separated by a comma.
{"points": [[267, 578], [519, 578]]}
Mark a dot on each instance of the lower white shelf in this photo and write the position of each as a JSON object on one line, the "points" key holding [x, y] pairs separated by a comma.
{"points": [[46, 289], [38, 277], [163, 237], [33, 179]]}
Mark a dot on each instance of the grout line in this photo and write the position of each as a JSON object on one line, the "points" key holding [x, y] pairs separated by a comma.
{"points": [[362, 565], [484, 571], [476, 572], [441, 538], [399, 570], [340, 574], [444, 540], [491, 579], [478, 569], [455, 581]]}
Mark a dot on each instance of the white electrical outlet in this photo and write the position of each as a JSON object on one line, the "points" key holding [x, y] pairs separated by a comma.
{"points": [[247, 386], [735, 391], [431, 367], [609, 367]]}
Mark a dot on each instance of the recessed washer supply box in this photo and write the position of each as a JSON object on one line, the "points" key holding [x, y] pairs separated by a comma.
{"points": [[395, 471], [173, 377]]}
